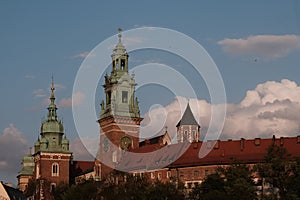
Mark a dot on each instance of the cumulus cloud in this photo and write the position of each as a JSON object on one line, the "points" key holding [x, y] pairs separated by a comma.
{"points": [[265, 46], [272, 108], [77, 99], [13, 146]]}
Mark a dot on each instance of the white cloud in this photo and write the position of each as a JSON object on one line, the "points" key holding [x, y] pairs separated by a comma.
{"points": [[13, 146], [38, 93], [77, 99], [29, 76], [131, 40], [271, 108], [83, 55], [265, 46]]}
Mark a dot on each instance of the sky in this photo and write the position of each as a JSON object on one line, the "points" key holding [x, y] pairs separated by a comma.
{"points": [[254, 44]]}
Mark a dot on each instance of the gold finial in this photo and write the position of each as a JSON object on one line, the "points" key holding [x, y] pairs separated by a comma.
{"points": [[120, 35], [52, 86]]}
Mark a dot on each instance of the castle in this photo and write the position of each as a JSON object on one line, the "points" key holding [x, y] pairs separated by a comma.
{"points": [[121, 149]]}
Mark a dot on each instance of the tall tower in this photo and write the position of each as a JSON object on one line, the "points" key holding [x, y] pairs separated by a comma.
{"points": [[51, 153], [120, 115], [188, 128]]}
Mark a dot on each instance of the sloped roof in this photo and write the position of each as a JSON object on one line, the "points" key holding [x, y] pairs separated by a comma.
{"points": [[188, 118], [13, 193], [151, 157], [81, 167]]}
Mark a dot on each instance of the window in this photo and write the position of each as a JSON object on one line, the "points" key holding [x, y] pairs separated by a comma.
{"points": [[159, 176], [181, 174], [196, 173], [114, 156], [206, 172], [55, 169], [53, 186], [122, 64], [168, 174], [152, 175], [124, 96]]}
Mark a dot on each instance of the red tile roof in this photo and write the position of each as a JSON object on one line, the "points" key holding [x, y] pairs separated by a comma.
{"points": [[153, 156], [80, 167]]}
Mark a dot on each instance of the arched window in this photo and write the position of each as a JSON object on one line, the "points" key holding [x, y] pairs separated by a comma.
{"points": [[55, 169]]}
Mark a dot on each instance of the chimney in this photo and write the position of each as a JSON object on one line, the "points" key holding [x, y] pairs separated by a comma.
{"points": [[257, 141], [242, 144], [281, 141], [298, 139], [217, 144], [195, 145]]}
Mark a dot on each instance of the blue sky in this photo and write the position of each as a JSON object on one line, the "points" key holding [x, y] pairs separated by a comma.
{"points": [[39, 39]]}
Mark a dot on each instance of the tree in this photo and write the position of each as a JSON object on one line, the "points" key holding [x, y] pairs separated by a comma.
{"points": [[239, 182], [233, 182], [212, 188], [275, 171], [169, 190], [88, 189]]}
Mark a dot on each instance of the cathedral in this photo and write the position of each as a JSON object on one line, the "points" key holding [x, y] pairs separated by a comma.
{"points": [[120, 147]]}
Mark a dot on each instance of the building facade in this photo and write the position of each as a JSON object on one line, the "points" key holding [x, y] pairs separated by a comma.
{"points": [[119, 132], [51, 159], [120, 146]]}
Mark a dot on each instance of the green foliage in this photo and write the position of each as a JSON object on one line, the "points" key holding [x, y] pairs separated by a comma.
{"points": [[239, 182], [86, 190], [276, 172], [169, 190], [233, 182], [212, 188]]}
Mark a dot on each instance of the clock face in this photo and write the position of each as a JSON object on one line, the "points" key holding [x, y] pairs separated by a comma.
{"points": [[125, 143], [105, 144]]}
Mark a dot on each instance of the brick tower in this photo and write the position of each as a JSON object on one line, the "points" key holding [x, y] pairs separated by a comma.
{"points": [[120, 115], [52, 157]]}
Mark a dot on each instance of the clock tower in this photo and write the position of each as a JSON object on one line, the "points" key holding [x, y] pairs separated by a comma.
{"points": [[120, 115]]}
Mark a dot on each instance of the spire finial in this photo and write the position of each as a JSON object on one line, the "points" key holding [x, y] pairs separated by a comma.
{"points": [[120, 34], [52, 86], [52, 107]]}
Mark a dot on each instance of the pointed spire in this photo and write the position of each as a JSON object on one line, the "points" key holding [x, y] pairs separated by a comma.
{"points": [[52, 98], [188, 117], [52, 107], [120, 35]]}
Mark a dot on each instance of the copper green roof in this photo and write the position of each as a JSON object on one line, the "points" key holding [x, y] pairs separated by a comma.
{"points": [[52, 130], [28, 165]]}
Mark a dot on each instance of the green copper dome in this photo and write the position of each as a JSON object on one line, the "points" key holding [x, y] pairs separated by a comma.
{"points": [[28, 166], [37, 143], [65, 141], [52, 127], [52, 131], [28, 159]]}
